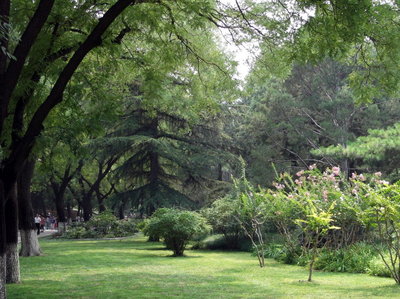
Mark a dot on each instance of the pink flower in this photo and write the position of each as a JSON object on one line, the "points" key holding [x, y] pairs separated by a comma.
{"points": [[354, 175], [290, 196], [313, 166], [331, 177], [278, 186], [336, 170], [378, 174], [325, 194], [300, 173], [298, 182], [362, 177], [354, 191]]}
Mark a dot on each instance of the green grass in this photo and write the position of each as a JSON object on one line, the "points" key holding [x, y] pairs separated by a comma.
{"points": [[133, 268]]}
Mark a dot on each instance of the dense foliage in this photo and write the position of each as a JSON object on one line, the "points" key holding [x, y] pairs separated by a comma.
{"points": [[175, 227], [104, 225], [321, 217]]}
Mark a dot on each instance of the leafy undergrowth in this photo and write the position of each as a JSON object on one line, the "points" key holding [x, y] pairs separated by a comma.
{"points": [[133, 268]]}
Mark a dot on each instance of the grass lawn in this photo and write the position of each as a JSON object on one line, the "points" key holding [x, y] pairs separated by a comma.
{"points": [[133, 268]]}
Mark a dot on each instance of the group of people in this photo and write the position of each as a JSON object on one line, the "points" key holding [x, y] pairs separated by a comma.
{"points": [[42, 223]]}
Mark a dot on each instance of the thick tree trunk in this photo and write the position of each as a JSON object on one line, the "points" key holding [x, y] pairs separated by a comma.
{"points": [[3, 276], [121, 211], [3, 192], [59, 202], [29, 240], [87, 208], [29, 243], [12, 264]]}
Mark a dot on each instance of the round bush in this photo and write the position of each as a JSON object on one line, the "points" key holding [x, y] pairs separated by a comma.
{"points": [[176, 227]]}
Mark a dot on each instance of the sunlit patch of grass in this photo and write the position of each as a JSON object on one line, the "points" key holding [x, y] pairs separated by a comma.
{"points": [[133, 268]]}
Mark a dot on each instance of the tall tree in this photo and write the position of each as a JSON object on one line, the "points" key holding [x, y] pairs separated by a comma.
{"points": [[48, 31]]}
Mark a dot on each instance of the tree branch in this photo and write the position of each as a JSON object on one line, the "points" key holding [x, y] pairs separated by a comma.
{"points": [[10, 79]]}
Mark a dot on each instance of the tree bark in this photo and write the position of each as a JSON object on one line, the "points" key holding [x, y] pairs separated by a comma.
{"points": [[121, 211], [29, 243], [29, 240], [3, 293], [12, 262], [2, 240], [87, 208]]}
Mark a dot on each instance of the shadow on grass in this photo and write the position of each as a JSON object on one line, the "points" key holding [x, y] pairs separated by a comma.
{"points": [[134, 269], [184, 285]]}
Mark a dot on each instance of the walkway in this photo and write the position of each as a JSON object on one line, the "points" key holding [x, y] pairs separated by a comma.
{"points": [[47, 232]]}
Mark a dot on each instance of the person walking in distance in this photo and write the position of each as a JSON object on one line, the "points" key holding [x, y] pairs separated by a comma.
{"points": [[37, 223]]}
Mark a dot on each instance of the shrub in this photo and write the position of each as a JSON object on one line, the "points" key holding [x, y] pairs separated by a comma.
{"points": [[219, 242], [286, 255], [378, 268], [223, 219], [101, 226], [176, 227], [353, 259]]}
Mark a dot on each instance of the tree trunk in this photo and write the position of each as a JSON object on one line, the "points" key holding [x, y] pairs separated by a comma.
{"points": [[3, 276], [29, 239], [69, 213], [3, 193], [29, 243], [11, 217], [12, 264], [59, 192], [87, 207], [100, 200], [2, 242], [62, 227], [121, 212]]}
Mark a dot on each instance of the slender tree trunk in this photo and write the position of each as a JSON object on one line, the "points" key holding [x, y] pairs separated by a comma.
{"points": [[29, 240], [220, 172], [12, 260], [310, 269]]}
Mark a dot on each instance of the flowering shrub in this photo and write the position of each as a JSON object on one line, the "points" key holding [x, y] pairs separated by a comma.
{"points": [[316, 210], [309, 201]]}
